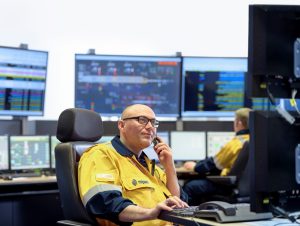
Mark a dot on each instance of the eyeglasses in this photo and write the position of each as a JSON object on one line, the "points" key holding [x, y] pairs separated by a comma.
{"points": [[144, 121]]}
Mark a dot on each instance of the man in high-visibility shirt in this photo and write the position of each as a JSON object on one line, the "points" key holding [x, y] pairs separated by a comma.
{"points": [[118, 183], [221, 163]]}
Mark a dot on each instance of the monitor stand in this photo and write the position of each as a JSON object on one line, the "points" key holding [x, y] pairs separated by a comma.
{"points": [[27, 126]]}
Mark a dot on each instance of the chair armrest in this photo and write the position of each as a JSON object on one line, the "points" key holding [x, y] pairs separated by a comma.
{"points": [[223, 180], [72, 223]]}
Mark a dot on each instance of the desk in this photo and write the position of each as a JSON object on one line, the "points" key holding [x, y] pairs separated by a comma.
{"points": [[28, 180], [185, 174], [30, 201], [189, 221], [28, 185]]}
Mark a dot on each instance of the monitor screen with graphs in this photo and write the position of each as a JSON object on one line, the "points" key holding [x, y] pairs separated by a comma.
{"points": [[22, 81], [165, 136], [214, 87], [215, 141], [53, 142], [107, 84], [4, 164], [188, 145], [29, 152]]}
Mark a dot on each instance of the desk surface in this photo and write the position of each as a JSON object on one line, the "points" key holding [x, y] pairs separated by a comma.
{"points": [[28, 186], [190, 221], [184, 170], [28, 180]]}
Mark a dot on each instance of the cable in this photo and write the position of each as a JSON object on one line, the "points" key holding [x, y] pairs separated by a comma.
{"points": [[293, 102], [287, 224], [281, 212], [270, 95]]}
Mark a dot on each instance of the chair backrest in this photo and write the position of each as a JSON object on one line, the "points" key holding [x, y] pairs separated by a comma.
{"points": [[240, 162], [241, 170], [77, 129]]}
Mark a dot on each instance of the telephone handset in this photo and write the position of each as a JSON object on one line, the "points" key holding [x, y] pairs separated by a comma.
{"points": [[227, 208], [155, 141], [225, 212]]}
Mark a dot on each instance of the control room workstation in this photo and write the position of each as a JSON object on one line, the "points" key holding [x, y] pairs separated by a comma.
{"points": [[33, 155]]}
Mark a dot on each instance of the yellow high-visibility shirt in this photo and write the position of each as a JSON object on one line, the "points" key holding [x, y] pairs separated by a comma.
{"points": [[225, 158], [103, 169]]}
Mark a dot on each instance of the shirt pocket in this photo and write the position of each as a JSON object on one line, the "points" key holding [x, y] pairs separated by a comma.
{"points": [[140, 191], [133, 183]]}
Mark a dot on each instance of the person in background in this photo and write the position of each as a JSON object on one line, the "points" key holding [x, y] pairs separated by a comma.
{"points": [[118, 183], [221, 163]]}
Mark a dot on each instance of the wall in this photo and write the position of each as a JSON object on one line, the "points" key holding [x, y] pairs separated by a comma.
{"points": [[66, 27]]}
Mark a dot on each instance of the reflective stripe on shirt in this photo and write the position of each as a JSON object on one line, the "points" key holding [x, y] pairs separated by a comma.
{"points": [[99, 188]]}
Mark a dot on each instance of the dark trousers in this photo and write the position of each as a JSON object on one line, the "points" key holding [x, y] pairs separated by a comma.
{"points": [[201, 190]]}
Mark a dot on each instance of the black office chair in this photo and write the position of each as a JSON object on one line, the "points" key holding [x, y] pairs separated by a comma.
{"points": [[77, 129], [237, 184]]}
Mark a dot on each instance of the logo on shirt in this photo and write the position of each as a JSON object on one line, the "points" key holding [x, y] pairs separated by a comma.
{"points": [[135, 182], [143, 182]]}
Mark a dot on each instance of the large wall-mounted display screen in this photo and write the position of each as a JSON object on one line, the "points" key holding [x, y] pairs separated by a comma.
{"points": [[22, 81], [215, 87], [107, 84]]}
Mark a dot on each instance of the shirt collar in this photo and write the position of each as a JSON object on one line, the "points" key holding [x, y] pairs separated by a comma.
{"points": [[243, 132], [120, 147]]}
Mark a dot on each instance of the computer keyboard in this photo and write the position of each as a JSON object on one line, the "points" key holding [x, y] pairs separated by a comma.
{"points": [[241, 213], [184, 212]]}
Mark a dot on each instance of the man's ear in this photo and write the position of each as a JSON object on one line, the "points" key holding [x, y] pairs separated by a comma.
{"points": [[121, 124], [240, 124]]}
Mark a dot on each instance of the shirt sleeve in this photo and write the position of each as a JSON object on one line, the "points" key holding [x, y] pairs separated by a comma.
{"points": [[99, 185], [108, 205], [206, 166]]}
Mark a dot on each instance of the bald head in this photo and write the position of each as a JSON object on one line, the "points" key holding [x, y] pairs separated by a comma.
{"points": [[137, 110]]}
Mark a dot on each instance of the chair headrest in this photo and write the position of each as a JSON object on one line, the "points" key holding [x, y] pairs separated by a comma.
{"points": [[76, 124]]}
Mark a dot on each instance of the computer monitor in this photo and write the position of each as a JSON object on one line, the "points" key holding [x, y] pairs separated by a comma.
{"points": [[214, 87], [290, 106], [216, 140], [29, 152], [53, 142], [273, 30], [4, 162], [165, 136], [188, 145], [273, 161], [107, 84], [22, 81]]}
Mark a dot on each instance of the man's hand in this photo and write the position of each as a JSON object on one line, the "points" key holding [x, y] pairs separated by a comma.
{"points": [[189, 165], [136, 213], [164, 152]]}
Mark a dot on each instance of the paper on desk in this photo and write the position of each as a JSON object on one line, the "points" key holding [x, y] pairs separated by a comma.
{"points": [[272, 222]]}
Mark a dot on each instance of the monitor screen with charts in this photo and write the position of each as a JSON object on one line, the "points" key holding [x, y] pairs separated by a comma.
{"points": [[29, 152], [215, 87], [53, 142], [150, 151], [109, 83], [22, 81], [188, 145], [216, 140], [4, 152]]}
